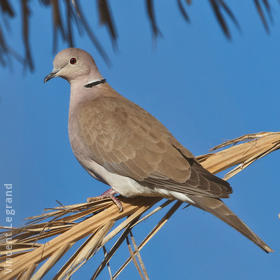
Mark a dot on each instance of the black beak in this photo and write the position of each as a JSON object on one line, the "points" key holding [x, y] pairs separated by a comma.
{"points": [[50, 76]]}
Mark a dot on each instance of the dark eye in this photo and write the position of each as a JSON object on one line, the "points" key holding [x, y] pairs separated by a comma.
{"points": [[73, 60]]}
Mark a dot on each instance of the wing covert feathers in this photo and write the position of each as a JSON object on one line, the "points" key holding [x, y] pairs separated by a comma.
{"points": [[127, 140]]}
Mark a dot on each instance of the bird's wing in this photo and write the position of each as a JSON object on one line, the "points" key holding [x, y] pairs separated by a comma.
{"points": [[128, 141], [220, 210]]}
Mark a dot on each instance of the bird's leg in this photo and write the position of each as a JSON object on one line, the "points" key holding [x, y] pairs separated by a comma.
{"points": [[108, 194]]}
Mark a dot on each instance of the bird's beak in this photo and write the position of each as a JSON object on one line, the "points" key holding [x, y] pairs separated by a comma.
{"points": [[50, 76]]}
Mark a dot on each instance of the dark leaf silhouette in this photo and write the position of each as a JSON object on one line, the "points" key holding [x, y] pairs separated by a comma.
{"points": [[67, 15], [183, 10], [25, 33], [106, 18], [7, 8], [261, 12], [151, 15]]}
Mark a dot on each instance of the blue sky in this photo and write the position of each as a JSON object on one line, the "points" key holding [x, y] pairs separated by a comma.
{"points": [[204, 88]]}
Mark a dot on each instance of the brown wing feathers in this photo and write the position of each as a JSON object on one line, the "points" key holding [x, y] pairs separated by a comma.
{"points": [[128, 141]]}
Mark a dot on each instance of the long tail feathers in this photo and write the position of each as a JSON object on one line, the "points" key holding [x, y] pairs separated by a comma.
{"points": [[220, 210]]}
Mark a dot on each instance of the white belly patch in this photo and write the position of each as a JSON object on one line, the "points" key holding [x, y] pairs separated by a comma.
{"points": [[128, 187]]}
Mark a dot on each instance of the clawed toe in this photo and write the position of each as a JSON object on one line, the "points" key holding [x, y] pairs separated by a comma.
{"points": [[108, 194]]}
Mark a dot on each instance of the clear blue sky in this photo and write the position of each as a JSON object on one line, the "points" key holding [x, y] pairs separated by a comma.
{"points": [[204, 88]]}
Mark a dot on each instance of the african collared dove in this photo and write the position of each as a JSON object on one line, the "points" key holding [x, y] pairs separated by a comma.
{"points": [[122, 145]]}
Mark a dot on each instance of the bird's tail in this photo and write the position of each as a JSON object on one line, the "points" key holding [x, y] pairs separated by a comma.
{"points": [[220, 210]]}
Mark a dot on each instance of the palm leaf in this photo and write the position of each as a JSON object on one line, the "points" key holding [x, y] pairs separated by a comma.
{"points": [[36, 247], [74, 18]]}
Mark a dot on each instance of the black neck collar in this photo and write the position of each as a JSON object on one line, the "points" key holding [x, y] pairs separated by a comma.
{"points": [[95, 83]]}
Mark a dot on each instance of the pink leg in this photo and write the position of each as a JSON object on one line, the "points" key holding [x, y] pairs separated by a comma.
{"points": [[108, 194]]}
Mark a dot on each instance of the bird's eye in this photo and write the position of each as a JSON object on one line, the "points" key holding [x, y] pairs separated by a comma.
{"points": [[73, 60]]}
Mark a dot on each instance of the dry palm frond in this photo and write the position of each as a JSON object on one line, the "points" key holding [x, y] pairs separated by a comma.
{"points": [[257, 145], [74, 17], [34, 249]]}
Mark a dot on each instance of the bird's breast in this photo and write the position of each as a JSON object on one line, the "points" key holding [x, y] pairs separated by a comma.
{"points": [[78, 145]]}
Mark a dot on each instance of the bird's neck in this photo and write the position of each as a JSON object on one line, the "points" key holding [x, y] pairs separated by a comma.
{"points": [[86, 79], [81, 92]]}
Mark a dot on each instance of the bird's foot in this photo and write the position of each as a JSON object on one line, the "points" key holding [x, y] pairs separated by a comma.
{"points": [[108, 194]]}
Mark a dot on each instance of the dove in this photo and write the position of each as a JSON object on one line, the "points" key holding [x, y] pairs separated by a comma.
{"points": [[125, 147]]}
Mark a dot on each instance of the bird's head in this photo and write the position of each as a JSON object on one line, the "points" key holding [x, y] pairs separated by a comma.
{"points": [[71, 64]]}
